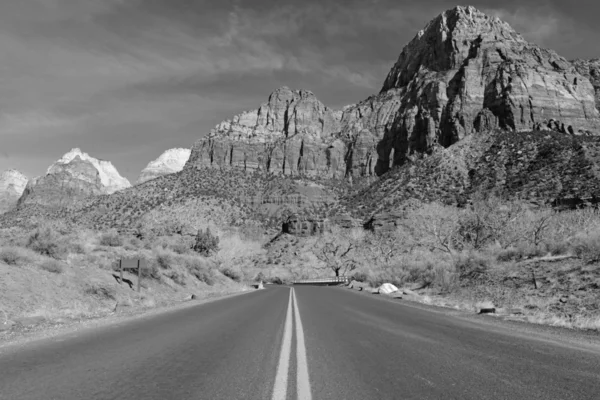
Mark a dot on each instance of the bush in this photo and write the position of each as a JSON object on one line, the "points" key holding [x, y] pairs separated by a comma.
{"points": [[46, 242], [14, 255], [260, 277], [176, 277], [231, 274], [471, 267], [54, 266], [164, 260], [360, 277], [101, 290], [200, 270], [150, 270], [111, 239], [206, 243]]}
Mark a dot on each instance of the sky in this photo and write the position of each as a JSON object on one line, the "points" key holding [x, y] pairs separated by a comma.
{"points": [[125, 80]]}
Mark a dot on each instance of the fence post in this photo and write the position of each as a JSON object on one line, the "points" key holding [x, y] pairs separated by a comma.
{"points": [[139, 274]]}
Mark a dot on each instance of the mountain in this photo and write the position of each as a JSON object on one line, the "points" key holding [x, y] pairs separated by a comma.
{"points": [[110, 178], [169, 162], [469, 106], [75, 176], [293, 133], [591, 70], [12, 185], [467, 73]]}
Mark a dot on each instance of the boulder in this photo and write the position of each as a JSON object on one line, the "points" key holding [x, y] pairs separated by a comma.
{"points": [[387, 288]]}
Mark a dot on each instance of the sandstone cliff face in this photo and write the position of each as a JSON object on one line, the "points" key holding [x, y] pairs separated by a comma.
{"points": [[467, 73], [109, 176], [591, 70], [64, 184], [12, 185], [292, 134], [169, 162], [75, 176]]}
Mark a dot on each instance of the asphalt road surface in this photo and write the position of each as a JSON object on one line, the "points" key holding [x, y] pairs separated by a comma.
{"points": [[306, 343]]}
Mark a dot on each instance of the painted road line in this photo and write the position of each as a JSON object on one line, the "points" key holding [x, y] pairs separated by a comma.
{"points": [[302, 378], [281, 378]]}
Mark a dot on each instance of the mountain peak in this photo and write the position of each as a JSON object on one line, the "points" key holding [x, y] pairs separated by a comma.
{"points": [[448, 41], [169, 162], [109, 175]]}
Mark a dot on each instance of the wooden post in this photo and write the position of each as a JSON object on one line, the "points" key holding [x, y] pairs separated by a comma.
{"points": [[139, 274], [121, 269]]}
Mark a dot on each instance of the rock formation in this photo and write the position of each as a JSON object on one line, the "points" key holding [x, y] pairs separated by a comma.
{"points": [[12, 185], [74, 177], [291, 134], [109, 176], [465, 73], [169, 162], [591, 70]]}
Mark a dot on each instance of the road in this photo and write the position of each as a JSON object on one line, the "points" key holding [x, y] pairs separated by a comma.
{"points": [[309, 343]]}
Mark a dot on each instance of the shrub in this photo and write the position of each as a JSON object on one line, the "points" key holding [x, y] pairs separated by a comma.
{"points": [[206, 243], [14, 255], [260, 277], [46, 242], [231, 274], [150, 270], [471, 267], [101, 290], [164, 260], [176, 277], [200, 270], [54, 266], [360, 277], [111, 239]]}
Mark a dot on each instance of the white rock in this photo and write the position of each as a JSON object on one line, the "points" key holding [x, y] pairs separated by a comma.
{"points": [[387, 288], [12, 182], [169, 162], [109, 176]]}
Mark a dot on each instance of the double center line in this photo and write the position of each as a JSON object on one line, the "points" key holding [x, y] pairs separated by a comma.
{"points": [[281, 378]]}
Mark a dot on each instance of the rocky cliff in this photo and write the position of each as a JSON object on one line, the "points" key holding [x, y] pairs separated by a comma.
{"points": [[75, 176], [591, 70], [293, 133], [109, 176], [467, 73], [12, 185], [464, 73], [169, 162]]}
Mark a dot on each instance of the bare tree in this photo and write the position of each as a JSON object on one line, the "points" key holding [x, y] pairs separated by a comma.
{"points": [[335, 253]]}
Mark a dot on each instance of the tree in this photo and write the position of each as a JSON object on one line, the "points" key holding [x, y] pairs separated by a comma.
{"points": [[206, 243], [335, 253]]}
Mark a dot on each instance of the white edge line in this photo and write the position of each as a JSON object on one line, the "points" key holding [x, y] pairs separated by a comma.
{"points": [[302, 378], [281, 377]]}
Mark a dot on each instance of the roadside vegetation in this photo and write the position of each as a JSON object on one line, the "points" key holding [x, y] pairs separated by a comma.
{"points": [[53, 272]]}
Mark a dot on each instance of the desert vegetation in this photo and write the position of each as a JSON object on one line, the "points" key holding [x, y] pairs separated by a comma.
{"points": [[55, 271], [536, 261]]}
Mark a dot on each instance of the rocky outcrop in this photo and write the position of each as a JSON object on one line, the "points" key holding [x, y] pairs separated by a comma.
{"points": [[591, 70], [74, 177], [169, 162], [292, 134], [12, 185], [64, 184], [467, 73], [109, 176], [304, 226]]}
